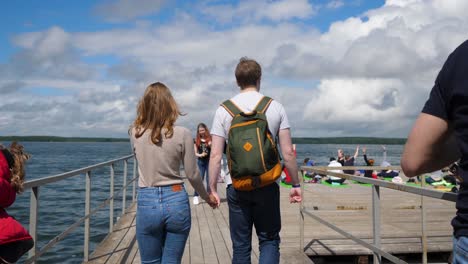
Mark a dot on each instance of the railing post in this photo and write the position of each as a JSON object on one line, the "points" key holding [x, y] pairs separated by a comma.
{"points": [[301, 215], [376, 221], [87, 212], [111, 202], [423, 223], [33, 219], [135, 165], [124, 186]]}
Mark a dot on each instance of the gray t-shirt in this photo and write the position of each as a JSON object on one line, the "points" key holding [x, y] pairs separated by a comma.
{"points": [[246, 101]]}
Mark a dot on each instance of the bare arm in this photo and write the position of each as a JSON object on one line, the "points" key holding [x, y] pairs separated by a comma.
{"points": [[384, 151], [288, 154], [356, 153], [431, 145], [217, 147], [295, 195]]}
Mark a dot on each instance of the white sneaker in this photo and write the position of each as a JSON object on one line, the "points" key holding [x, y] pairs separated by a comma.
{"points": [[195, 200]]}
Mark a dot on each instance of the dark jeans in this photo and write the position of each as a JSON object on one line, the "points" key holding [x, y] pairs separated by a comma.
{"points": [[203, 168], [260, 207]]}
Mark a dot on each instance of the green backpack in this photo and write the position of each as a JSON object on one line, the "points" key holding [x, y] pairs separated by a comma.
{"points": [[252, 156]]}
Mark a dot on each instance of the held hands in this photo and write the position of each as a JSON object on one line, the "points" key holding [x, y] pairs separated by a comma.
{"points": [[214, 200], [295, 195]]}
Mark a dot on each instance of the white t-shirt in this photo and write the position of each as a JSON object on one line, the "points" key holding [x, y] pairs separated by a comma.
{"points": [[246, 101], [335, 163]]}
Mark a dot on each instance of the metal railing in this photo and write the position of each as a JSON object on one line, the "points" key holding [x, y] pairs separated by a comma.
{"points": [[376, 220], [35, 186]]}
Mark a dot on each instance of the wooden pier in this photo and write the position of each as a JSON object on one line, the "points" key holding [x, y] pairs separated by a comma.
{"points": [[348, 208]]}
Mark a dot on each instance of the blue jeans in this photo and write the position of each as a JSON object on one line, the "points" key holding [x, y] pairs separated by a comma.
{"points": [[460, 250], [162, 223], [260, 207], [203, 168]]}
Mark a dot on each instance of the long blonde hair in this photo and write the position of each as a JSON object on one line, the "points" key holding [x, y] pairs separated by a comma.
{"points": [[19, 158], [156, 110]]}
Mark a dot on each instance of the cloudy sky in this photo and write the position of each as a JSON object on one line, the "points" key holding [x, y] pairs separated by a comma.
{"points": [[340, 67]]}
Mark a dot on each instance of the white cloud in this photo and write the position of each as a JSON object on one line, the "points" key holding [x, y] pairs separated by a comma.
{"points": [[366, 75], [257, 10], [335, 4], [124, 10]]}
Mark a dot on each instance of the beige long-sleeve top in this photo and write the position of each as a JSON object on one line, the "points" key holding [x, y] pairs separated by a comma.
{"points": [[160, 164]]}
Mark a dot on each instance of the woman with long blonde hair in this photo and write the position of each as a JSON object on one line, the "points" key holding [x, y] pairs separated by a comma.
{"points": [[163, 218]]}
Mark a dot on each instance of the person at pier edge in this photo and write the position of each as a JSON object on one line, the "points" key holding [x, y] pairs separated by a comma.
{"points": [[369, 162], [259, 207], [349, 161], [163, 218], [14, 238], [202, 151], [333, 179], [440, 136]]}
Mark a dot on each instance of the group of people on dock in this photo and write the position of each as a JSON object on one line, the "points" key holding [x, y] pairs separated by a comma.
{"points": [[346, 160], [439, 138], [163, 218]]}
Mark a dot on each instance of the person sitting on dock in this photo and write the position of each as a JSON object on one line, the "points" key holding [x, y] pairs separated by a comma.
{"points": [[14, 238], [163, 218], [369, 162], [439, 137], [333, 179], [349, 161], [340, 157]]}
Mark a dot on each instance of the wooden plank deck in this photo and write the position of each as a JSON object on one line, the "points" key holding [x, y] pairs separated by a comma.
{"points": [[348, 208]]}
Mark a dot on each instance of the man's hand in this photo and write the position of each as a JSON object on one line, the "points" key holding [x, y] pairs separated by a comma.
{"points": [[214, 198], [295, 195]]}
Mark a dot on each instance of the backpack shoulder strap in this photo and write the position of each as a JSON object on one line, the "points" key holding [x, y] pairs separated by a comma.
{"points": [[263, 104], [231, 108]]}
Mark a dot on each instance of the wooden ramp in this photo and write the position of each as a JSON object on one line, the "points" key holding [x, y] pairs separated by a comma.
{"points": [[348, 208]]}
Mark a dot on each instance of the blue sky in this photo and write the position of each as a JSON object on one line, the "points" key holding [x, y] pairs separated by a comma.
{"points": [[340, 68]]}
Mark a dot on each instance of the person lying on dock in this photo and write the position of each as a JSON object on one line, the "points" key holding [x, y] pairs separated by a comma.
{"points": [[387, 173]]}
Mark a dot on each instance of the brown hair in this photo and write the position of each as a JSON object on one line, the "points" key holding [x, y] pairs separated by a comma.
{"points": [[156, 110], [248, 72], [207, 135], [18, 164]]}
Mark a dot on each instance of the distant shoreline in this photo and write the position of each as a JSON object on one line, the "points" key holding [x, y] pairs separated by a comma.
{"points": [[296, 140]]}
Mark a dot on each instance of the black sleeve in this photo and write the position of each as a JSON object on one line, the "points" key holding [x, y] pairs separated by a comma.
{"points": [[438, 103], [365, 159]]}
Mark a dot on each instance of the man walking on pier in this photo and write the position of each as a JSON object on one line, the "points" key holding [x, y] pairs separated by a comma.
{"points": [[260, 204], [440, 137]]}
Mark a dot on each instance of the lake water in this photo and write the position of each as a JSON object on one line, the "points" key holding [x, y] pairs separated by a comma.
{"points": [[62, 203]]}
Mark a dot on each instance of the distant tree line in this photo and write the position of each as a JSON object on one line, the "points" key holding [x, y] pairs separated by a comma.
{"points": [[351, 140], [297, 140], [60, 139]]}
